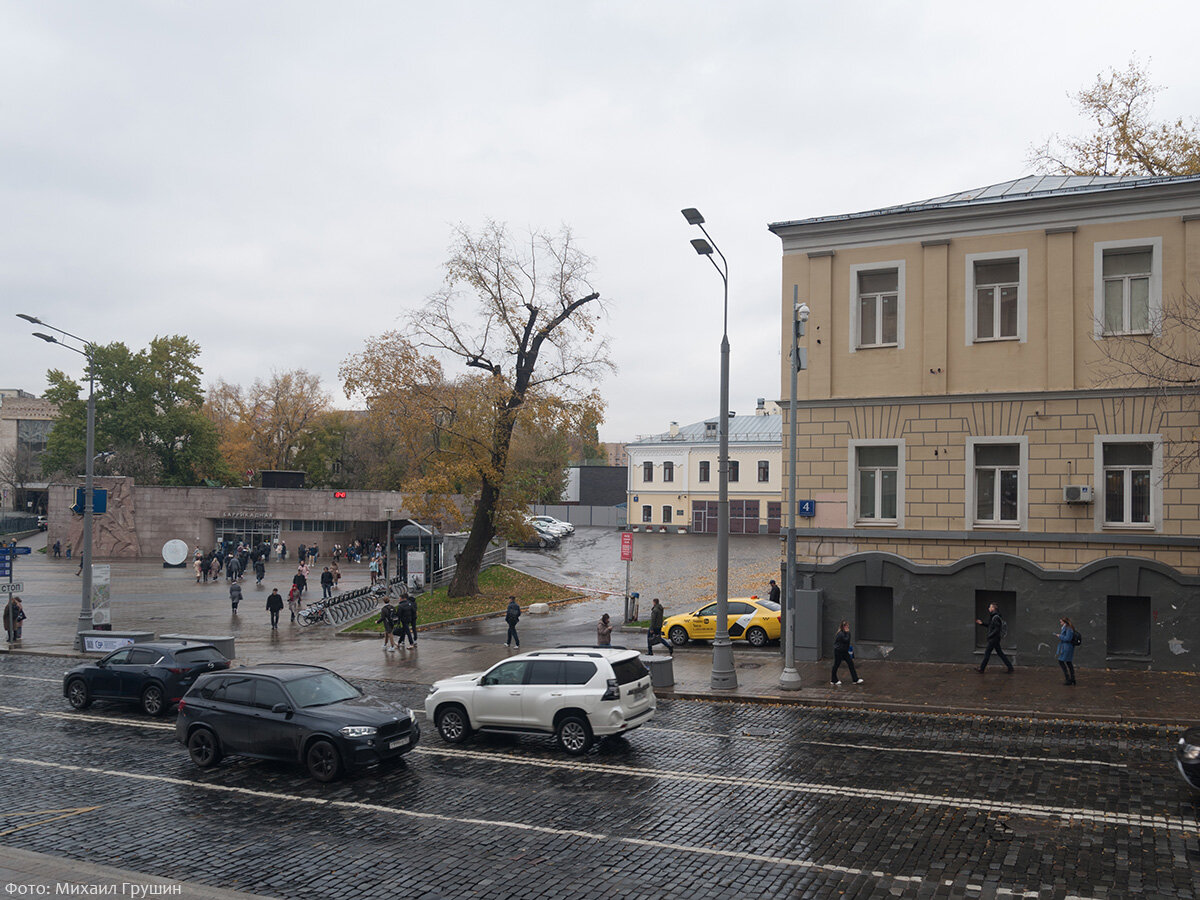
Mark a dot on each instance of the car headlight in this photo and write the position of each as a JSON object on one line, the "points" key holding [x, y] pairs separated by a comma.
{"points": [[358, 731], [1189, 751]]}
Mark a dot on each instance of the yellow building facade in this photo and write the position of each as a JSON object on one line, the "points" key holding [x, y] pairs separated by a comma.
{"points": [[967, 435]]}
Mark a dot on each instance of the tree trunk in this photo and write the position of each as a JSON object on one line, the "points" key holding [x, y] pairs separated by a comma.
{"points": [[466, 573]]}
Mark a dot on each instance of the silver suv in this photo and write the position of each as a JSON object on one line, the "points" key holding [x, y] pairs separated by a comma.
{"points": [[575, 693]]}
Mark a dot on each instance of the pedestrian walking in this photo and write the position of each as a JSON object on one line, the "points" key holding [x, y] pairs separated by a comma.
{"points": [[1066, 649], [197, 565], [260, 570], [387, 618], [406, 611], [413, 601], [843, 652], [996, 631], [326, 584], [14, 615], [337, 574], [58, 549], [214, 567], [374, 569], [604, 632], [274, 606], [654, 634], [512, 615], [293, 602], [235, 596], [68, 550], [773, 592], [300, 582]]}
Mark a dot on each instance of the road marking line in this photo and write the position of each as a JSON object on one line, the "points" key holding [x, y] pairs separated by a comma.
{"points": [[84, 717], [31, 678], [654, 843], [879, 748], [1032, 810], [64, 814]]}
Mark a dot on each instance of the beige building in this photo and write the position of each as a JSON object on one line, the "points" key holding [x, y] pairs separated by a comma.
{"points": [[25, 423], [965, 436], [673, 477]]}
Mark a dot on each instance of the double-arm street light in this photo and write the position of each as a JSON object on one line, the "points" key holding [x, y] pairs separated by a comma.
{"points": [[724, 676], [85, 606], [790, 679]]}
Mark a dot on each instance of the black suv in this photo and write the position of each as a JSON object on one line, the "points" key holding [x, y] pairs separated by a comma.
{"points": [[297, 713], [155, 675]]}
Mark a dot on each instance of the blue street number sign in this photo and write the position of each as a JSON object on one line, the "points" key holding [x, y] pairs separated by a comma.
{"points": [[99, 501], [806, 509]]}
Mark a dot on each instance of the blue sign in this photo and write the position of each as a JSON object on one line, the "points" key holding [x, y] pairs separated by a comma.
{"points": [[5, 569], [806, 509], [99, 501]]}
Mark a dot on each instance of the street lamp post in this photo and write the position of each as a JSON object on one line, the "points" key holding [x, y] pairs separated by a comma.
{"points": [[84, 622], [724, 676], [790, 679]]}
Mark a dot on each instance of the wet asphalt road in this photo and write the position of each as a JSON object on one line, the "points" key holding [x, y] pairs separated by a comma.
{"points": [[710, 800]]}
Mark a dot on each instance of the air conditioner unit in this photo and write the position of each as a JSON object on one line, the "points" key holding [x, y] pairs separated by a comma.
{"points": [[1077, 493]]}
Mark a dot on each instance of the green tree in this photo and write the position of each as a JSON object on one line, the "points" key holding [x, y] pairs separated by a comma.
{"points": [[148, 411], [1125, 140], [528, 353]]}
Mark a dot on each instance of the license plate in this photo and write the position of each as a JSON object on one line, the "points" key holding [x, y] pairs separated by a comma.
{"points": [[399, 742], [637, 692]]}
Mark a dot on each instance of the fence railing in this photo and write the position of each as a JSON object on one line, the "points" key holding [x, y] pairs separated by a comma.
{"points": [[495, 557]]}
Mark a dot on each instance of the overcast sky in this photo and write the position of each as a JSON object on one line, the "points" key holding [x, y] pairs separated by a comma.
{"points": [[277, 180]]}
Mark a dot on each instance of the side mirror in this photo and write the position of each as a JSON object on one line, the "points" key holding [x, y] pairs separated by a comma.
{"points": [[281, 708]]}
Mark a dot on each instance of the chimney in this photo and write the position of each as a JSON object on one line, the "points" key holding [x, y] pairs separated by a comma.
{"points": [[674, 429], [762, 407]]}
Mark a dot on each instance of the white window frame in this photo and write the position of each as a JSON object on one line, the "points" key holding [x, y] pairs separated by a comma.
{"points": [[647, 468], [1156, 481], [764, 468], [853, 521], [703, 474], [1022, 520], [1022, 258], [856, 322], [1154, 244], [668, 472], [647, 514]]}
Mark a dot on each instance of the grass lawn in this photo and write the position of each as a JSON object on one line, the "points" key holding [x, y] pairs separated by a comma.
{"points": [[496, 584]]}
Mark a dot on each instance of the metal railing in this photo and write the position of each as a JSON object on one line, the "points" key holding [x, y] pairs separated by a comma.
{"points": [[345, 607], [495, 557]]}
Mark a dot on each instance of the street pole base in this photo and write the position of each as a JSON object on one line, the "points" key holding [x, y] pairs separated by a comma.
{"points": [[789, 680], [724, 675]]}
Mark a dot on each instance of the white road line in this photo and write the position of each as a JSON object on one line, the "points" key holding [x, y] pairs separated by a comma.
{"points": [[1032, 810], [654, 843], [31, 678], [847, 746], [84, 717]]}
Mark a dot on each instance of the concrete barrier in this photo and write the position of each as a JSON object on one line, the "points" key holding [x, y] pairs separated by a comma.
{"points": [[539, 609]]}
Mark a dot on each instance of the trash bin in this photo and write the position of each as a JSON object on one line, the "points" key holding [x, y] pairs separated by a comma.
{"points": [[662, 670]]}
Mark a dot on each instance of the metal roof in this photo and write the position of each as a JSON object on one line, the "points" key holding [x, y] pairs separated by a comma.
{"points": [[764, 429], [1029, 187]]}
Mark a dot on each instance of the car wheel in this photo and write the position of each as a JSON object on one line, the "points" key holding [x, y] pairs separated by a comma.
{"points": [[78, 694], [203, 748], [678, 635], [574, 734], [324, 763], [453, 724], [154, 702], [756, 637]]}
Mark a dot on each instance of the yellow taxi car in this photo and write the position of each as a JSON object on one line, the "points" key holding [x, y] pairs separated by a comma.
{"points": [[751, 619]]}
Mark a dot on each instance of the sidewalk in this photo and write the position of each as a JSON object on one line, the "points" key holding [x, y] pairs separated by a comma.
{"points": [[148, 597]]}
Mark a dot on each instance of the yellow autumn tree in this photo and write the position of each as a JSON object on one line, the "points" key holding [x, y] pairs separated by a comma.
{"points": [[511, 342]]}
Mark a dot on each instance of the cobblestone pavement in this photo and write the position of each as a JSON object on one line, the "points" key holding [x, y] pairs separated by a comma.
{"points": [[711, 800]]}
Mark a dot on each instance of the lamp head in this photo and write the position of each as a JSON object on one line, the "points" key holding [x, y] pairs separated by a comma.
{"points": [[34, 319], [693, 216], [703, 247], [802, 312], [48, 338]]}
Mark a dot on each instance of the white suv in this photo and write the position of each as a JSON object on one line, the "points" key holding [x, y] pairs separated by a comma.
{"points": [[575, 693]]}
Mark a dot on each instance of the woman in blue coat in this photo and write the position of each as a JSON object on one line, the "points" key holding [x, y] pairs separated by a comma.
{"points": [[1066, 649]]}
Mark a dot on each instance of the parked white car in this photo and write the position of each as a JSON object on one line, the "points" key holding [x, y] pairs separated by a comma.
{"points": [[574, 693], [557, 526]]}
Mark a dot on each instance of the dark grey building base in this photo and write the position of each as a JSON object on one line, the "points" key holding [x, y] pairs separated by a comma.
{"points": [[1132, 613]]}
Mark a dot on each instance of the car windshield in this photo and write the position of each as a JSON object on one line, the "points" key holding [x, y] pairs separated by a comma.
{"points": [[768, 604], [199, 655], [321, 690]]}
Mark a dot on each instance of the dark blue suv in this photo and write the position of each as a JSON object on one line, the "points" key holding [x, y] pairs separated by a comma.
{"points": [[155, 675], [296, 713]]}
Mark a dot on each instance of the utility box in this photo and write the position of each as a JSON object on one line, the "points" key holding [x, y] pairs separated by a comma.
{"points": [[806, 635], [662, 670], [223, 643]]}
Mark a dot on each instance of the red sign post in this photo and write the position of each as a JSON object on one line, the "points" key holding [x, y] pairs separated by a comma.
{"points": [[627, 558], [626, 547]]}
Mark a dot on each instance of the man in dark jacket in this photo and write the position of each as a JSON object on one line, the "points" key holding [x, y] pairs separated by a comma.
{"points": [[235, 596], [995, 627], [406, 610], [274, 606], [654, 635], [387, 618], [512, 615], [773, 592], [326, 584]]}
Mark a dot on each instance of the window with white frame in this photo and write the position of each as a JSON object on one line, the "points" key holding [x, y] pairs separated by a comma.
{"points": [[647, 514], [668, 471], [666, 511], [1128, 483], [877, 482], [1128, 276], [878, 308], [647, 472], [997, 484], [764, 470], [997, 283], [704, 471]]}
